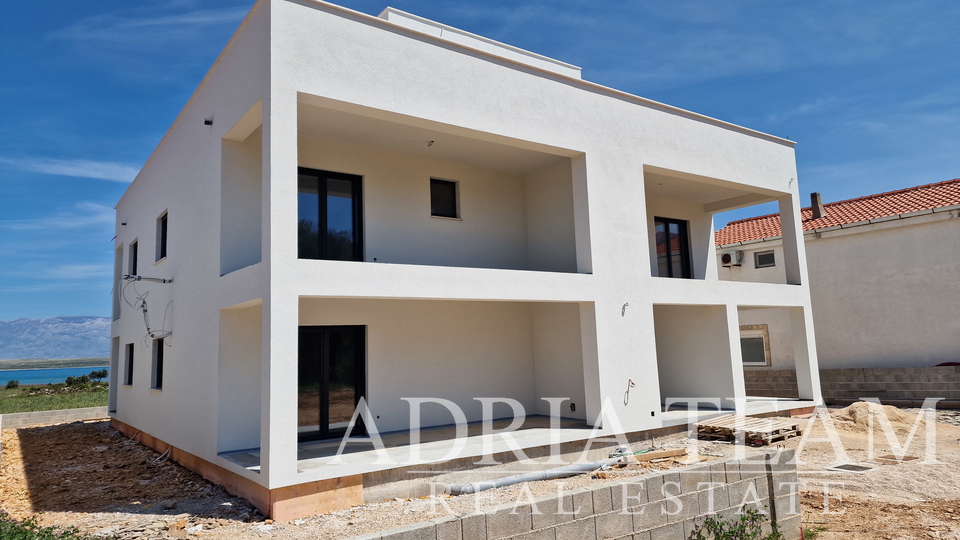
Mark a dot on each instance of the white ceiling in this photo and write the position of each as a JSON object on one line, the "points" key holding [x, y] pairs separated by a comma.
{"points": [[346, 127]]}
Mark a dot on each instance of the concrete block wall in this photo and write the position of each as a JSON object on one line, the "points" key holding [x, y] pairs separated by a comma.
{"points": [[889, 384], [661, 505], [18, 420]]}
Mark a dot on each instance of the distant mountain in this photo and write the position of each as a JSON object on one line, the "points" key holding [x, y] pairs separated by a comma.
{"points": [[55, 337]]}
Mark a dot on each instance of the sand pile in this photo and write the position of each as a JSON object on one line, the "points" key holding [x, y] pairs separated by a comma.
{"points": [[856, 417]]}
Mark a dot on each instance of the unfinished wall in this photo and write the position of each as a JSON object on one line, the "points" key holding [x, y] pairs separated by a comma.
{"points": [[693, 352], [238, 406], [661, 505], [888, 384]]}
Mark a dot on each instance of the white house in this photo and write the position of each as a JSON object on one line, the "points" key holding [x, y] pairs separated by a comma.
{"points": [[387, 207], [884, 280]]}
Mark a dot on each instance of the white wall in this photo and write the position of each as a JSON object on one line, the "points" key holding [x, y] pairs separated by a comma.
{"points": [[241, 199], [183, 176], [558, 357], [883, 295], [450, 350], [748, 271], [238, 389], [887, 297], [779, 330], [693, 352], [551, 238], [506, 221]]}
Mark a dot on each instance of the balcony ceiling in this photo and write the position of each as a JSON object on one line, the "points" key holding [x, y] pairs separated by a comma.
{"points": [[357, 129]]}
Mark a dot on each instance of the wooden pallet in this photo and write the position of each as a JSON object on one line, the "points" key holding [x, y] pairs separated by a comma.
{"points": [[756, 431]]}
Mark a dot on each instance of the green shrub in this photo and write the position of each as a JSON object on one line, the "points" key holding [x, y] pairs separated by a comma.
{"points": [[746, 527], [98, 375], [30, 529], [12, 384], [77, 381]]}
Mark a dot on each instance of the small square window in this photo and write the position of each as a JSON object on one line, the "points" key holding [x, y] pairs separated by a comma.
{"points": [[162, 236], [443, 199], [157, 382], [128, 371], [755, 345], [764, 259]]}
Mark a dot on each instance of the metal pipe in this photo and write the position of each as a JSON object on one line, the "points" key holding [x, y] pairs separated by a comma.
{"points": [[549, 474]]}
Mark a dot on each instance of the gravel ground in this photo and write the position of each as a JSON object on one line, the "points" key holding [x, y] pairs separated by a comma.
{"points": [[87, 475]]}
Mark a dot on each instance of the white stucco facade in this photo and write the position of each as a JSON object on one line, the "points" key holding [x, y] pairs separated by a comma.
{"points": [[884, 293], [546, 285]]}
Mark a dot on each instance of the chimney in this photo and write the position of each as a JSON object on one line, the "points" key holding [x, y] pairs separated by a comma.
{"points": [[816, 204]]}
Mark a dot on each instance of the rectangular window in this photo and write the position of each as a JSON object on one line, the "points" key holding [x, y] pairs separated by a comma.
{"points": [[133, 258], [443, 199], [755, 345], [329, 216], [157, 365], [673, 248], [128, 371], [764, 259], [162, 237]]}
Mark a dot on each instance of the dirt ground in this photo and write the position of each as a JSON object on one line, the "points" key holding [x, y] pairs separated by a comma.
{"points": [[90, 476]]}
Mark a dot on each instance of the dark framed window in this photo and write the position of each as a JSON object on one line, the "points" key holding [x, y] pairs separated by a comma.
{"points": [[162, 236], [133, 258], [764, 259], [329, 216], [331, 379], [128, 371], [673, 248], [157, 365], [443, 198]]}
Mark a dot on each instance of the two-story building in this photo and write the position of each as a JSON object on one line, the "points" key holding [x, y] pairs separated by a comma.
{"points": [[354, 209]]}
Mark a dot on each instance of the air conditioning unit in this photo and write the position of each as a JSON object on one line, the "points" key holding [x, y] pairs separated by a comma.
{"points": [[731, 258]]}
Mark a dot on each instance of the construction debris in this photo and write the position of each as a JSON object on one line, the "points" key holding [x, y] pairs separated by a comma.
{"points": [[755, 431]]}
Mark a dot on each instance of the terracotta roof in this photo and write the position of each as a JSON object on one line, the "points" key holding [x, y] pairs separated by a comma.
{"points": [[876, 206]]}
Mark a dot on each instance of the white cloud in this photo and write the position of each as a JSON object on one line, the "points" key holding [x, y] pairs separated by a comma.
{"points": [[81, 168], [83, 214], [803, 109], [79, 271], [155, 30]]}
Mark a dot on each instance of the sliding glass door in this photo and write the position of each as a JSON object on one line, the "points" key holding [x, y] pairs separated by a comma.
{"points": [[330, 379], [329, 215]]}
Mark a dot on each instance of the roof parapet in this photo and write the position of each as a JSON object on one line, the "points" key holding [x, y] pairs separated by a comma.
{"points": [[480, 43]]}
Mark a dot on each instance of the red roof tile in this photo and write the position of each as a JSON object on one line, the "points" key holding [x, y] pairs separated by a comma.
{"points": [[850, 211]]}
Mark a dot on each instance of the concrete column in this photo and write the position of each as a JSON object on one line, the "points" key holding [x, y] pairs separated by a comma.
{"points": [[736, 359], [794, 256], [805, 354], [278, 459]]}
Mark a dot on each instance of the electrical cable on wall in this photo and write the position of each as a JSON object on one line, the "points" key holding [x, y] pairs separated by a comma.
{"points": [[140, 304]]}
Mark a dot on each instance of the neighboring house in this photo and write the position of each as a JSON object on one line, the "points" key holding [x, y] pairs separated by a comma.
{"points": [[884, 280], [387, 207]]}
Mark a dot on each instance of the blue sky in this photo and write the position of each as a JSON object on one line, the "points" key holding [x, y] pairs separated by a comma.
{"points": [[871, 90]]}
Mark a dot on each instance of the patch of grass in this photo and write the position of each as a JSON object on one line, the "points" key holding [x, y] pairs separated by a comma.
{"points": [[30, 529], [17, 401], [812, 532]]}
